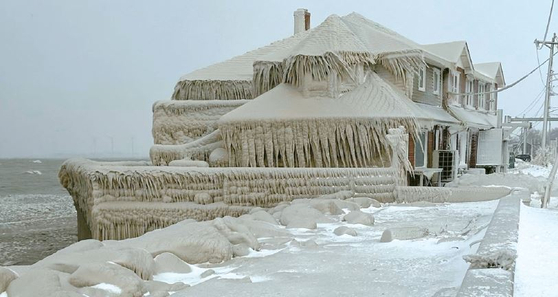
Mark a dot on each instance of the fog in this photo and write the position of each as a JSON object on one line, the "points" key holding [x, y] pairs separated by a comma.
{"points": [[78, 78]]}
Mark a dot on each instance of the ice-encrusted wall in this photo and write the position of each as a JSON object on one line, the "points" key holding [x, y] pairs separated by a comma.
{"points": [[179, 122], [308, 143], [119, 201]]}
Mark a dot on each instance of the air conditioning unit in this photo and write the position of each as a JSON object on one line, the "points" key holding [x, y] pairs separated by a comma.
{"points": [[447, 160]]}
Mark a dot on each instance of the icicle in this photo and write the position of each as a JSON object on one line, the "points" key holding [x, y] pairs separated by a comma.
{"points": [[213, 90]]}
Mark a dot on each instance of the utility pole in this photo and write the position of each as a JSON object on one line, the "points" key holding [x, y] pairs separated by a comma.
{"points": [[524, 151], [550, 45]]}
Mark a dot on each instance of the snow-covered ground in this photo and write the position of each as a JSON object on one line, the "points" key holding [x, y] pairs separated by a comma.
{"points": [[536, 267], [425, 259], [528, 168], [320, 263], [537, 263]]}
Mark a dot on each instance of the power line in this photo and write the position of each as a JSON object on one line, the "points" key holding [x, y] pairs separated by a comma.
{"points": [[508, 86], [548, 22], [533, 103]]}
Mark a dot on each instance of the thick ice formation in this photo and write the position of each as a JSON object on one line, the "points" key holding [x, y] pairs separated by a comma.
{"points": [[334, 46], [338, 113], [128, 266], [192, 251], [179, 122], [231, 79], [126, 201], [199, 149], [283, 128]]}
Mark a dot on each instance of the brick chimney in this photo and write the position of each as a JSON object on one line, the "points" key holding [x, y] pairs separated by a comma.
{"points": [[301, 20]]}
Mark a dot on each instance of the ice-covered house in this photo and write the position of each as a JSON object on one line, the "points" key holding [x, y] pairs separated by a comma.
{"points": [[340, 55], [428, 75], [469, 97], [338, 109]]}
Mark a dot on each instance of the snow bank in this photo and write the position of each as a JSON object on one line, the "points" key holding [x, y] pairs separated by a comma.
{"points": [[511, 180], [228, 249]]}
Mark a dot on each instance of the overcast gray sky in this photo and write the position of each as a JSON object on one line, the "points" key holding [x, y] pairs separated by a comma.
{"points": [[76, 74]]}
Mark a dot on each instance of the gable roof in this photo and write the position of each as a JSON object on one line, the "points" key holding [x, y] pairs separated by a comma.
{"points": [[456, 52], [493, 70]]}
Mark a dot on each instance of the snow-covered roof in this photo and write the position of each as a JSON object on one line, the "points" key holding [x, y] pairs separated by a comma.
{"points": [[333, 45], [436, 116], [473, 118], [377, 38], [493, 70], [230, 79], [373, 99], [456, 52], [240, 67], [450, 51]]}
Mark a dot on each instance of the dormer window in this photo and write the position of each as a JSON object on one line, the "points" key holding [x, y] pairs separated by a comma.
{"points": [[422, 78], [436, 77]]}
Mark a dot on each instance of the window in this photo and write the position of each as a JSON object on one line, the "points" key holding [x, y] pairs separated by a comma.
{"points": [[420, 149], [492, 98], [469, 90], [422, 79], [482, 100], [436, 79], [455, 86]]}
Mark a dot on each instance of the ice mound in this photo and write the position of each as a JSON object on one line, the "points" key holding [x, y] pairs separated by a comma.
{"points": [[134, 267]]}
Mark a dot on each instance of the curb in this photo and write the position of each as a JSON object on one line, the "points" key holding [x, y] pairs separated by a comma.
{"points": [[492, 268]]}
